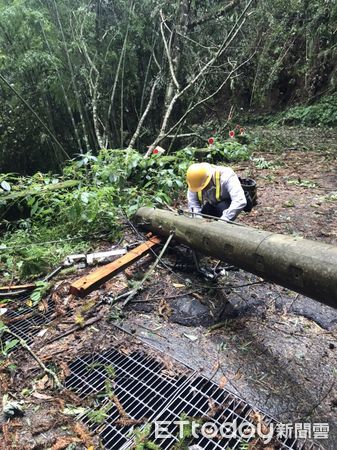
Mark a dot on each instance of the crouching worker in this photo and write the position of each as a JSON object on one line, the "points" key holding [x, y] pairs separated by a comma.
{"points": [[215, 191]]}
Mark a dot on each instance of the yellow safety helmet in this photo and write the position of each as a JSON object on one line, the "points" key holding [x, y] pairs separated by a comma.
{"points": [[198, 176]]}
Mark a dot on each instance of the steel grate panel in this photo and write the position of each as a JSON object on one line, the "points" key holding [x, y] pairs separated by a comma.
{"points": [[27, 322], [194, 402], [146, 393], [137, 382]]}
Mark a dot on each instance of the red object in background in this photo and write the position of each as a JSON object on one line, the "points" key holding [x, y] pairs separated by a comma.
{"points": [[237, 127], [231, 134], [242, 131], [155, 151], [211, 141]]}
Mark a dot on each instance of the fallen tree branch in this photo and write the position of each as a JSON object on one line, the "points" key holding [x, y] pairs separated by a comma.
{"points": [[24, 344], [124, 419], [75, 328], [140, 284]]}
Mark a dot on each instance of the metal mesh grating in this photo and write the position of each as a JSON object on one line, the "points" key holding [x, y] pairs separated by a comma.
{"points": [[195, 401], [145, 392], [26, 322], [137, 382]]}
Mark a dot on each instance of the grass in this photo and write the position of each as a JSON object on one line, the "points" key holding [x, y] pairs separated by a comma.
{"points": [[27, 253]]}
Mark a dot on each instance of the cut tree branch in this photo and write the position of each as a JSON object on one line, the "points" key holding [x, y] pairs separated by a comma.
{"points": [[168, 51], [224, 46]]}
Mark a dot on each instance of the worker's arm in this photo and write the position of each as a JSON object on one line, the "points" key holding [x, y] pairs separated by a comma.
{"points": [[193, 202], [237, 196]]}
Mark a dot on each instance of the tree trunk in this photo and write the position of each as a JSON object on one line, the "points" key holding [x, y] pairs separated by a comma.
{"points": [[176, 53], [109, 124], [307, 267], [196, 78], [67, 102]]}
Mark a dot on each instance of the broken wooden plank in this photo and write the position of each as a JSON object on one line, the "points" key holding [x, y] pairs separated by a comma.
{"points": [[20, 287], [94, 279]]}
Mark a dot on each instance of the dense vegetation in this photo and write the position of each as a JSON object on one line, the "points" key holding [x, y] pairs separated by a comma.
{"points": [[111, 187], [80, 76]]}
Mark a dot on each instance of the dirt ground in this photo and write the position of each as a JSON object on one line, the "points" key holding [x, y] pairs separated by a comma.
{"points": [[274, 348]]}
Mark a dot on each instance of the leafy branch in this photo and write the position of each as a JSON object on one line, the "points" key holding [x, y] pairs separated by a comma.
{"points": [[23, 343]]}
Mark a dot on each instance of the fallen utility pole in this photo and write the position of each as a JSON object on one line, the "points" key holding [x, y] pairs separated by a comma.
{"points": [[305, 266], [94, 279]]}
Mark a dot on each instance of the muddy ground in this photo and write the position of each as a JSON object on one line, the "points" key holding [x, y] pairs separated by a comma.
{"points": [[274, 348]]}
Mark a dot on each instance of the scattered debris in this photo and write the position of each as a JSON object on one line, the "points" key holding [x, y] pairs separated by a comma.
{"points": [[93, 258], [88, 283], [267, 352], [11, 408]]}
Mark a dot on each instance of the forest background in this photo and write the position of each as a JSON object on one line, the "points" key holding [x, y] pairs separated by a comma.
{"points": [[80, 76]]}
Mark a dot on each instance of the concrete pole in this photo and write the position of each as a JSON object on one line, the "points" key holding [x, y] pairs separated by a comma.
{"points": [[305, 266]]}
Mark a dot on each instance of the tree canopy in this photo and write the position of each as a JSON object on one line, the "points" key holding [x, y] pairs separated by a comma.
{"points": [[81, 76]]}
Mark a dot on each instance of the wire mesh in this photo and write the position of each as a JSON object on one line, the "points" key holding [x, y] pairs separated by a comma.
{"points": [[146, 394]]}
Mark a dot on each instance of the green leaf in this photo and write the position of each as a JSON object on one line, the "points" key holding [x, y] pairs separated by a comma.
{"points": [[35, 296], [74, 410], [85, 197], [158, 199], [34, 208], [9, 345]]}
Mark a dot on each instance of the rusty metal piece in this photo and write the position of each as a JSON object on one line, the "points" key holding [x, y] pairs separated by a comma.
{"points": [[94, 279]]}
